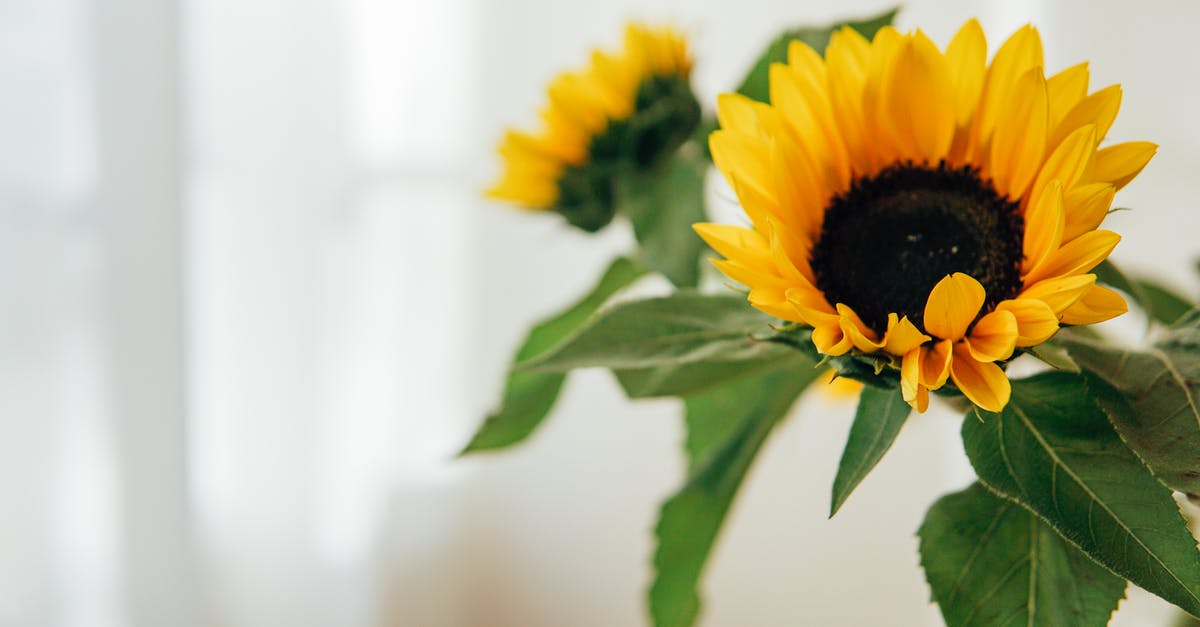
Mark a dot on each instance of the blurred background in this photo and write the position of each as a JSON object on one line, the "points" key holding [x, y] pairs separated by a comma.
{"points": [[251, 303]]}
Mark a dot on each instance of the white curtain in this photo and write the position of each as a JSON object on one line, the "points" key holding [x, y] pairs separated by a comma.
{"points": [[251, 304]]}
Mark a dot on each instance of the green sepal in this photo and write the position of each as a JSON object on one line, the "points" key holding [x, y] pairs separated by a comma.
{"points": [[529, 396]]}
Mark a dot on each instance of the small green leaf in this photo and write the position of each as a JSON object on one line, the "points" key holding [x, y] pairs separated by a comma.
{"points": [[727, 426], [1160, 303], [881, 413], [529, 396], [756, 85], [663, 203], [682, 328], [991, 562], [1054, 452], [690, 378], [1152, 397]]}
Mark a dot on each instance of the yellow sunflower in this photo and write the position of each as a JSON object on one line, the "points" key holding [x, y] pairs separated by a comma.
{"points": [[922, 206], [629, 107]]}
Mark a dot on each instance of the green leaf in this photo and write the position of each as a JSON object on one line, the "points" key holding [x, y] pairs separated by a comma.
{"points": [[663, 204], [991, 562], [529, 396], [690, 378], [881, 413], [1152, 397], [756, 85], [1054, 452], [727, 426], [682, 328], [1160, 303]]}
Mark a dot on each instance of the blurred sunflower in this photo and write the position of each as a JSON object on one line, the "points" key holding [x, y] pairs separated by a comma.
{"points": [[626, 109], [924, 207]]}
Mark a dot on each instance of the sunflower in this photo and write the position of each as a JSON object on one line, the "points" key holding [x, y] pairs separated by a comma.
{"points": [[924, 208], [625, 109]]}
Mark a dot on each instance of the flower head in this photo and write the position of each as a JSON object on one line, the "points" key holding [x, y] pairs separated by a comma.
{"points": [[628, 108], [922, 206]]}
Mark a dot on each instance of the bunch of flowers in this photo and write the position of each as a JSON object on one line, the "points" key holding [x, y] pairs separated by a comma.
{"points": [[918, 219]]}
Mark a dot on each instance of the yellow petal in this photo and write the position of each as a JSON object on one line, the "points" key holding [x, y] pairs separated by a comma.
{"points": [[935, 363], [746, 246], [966, 57], [1036, 321], [1120, 163], [737, 113], [1059, 292], [831, 339], [773, 303], [1064, 90], [952, 306], [1097, 305], [1017, 56], [903, 336], [994, 337], [921, 402], [910, 374], [1068, 163], [1099, 109], [1019, 143], [810, 303], [863, 337], [1086, 207], [985, 384], [846, 60], [920, 96], [1077, 256], [1044, 225]]}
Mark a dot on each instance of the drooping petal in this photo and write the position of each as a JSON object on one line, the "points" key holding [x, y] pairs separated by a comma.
{"points": [[1036, 321], [864, 338], [952, 305], [911, 389], [935, 363], [983, 383], [1097, 305], [903, 336], [994, 336]]}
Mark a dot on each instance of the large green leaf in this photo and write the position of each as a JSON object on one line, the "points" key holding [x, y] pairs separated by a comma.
{"points": [[727, 426], [991, 562], [756, 85], [881, 413], [1160, 303], [684, 327], [690, 378], [1053, 451], [1152, 397], [663, 203], [528, 396]]}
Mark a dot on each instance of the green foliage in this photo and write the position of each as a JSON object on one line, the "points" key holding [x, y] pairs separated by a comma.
{"points": [[1152, 397], [756, 85], [529, 396], [683, 328], [1054, 452], [991, 562], [726, 427], [1160, 303], [881, 413], [690, 378], [663, 203]]}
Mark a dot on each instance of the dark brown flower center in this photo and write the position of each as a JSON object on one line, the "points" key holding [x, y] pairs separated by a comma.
{"points": [[887, 241]]}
